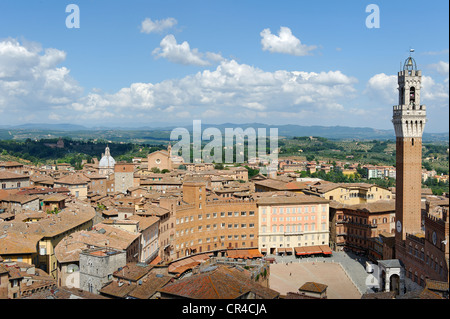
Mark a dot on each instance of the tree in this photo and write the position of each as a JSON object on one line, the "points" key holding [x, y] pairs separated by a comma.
{"points": [[361, 171], [155, 170], [427, 166], [252, 171]]}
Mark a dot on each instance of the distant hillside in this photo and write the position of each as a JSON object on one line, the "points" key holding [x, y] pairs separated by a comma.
{"points": [[331, 132], [43, 126], [152, 134]]}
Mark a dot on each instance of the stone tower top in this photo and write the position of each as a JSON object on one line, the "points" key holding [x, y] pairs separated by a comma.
{"points": [[409, 116]]}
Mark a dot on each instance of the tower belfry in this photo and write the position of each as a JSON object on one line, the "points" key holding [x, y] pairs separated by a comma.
{"points": [[409, 118]]}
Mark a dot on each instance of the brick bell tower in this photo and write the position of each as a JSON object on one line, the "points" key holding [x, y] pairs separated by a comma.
{"points": [[409, 118]]}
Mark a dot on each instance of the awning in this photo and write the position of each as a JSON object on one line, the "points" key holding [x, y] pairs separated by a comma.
{"points": [[244, 254], [325, 249], [312, 250], [300, 251]]}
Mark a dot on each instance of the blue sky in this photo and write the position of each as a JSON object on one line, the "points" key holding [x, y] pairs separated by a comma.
{"points": [[169, 62]]}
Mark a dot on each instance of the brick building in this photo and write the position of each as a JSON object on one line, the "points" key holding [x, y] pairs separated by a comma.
{"points": [[207, 225], [421, 241], [354, 227]]}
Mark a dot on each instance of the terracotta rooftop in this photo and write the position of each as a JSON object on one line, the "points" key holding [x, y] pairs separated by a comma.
{"points": [[118, 289], [64, 293], [379, 295], [29, 214], [74, 179], [311, 286], [218, 282], [117, 237], [10, 164], [144, 222], [272, 183], [42, 190], [149, 286], [4, 175], [22, 199], [180, 266], [54, 198], [133, 271], [437, 285], [375, 207], [16, 243], [22, 237], [152, 210]]}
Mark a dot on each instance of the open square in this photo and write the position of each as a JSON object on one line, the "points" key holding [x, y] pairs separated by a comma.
{"points": [[288, 277]]}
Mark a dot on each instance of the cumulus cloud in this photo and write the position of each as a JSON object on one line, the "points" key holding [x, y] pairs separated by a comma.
{"points": [[384, 87], [432, 91], [31, 78], [231, 87], [157, 26], [183, 54], [285, 42], [441, 67], [33, 83]]}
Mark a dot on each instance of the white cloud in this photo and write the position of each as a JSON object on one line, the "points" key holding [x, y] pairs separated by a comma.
{"points": [[30, 78], [445, 51], [227, 91], [183, 54], [157, 26], [32, 83], [384, 87], [432, 91], [285, 42], [441, 67]]}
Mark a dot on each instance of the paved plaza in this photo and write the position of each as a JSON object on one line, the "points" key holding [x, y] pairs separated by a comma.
{"points": [[344, 274]]}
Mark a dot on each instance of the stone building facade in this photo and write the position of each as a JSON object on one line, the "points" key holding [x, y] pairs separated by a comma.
{"points": [[123, 176], [286, 222], [97, 266]]}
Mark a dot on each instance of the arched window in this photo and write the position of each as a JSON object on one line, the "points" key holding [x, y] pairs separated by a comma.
{"points": [[412, 95]]}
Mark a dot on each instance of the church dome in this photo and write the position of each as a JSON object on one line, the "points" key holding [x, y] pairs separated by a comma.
{"points": [[107, 161]]}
